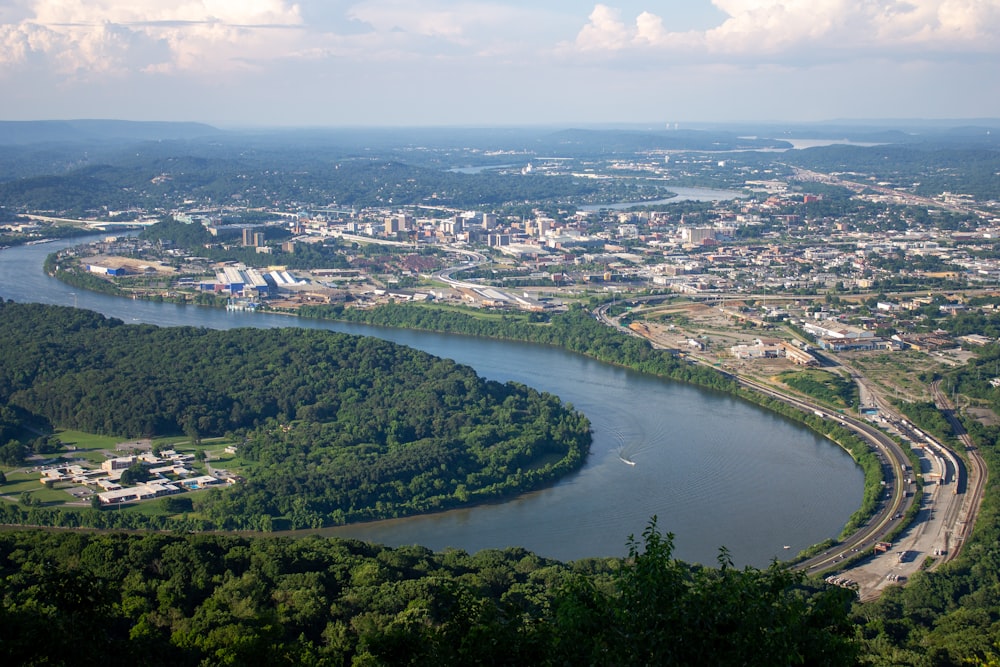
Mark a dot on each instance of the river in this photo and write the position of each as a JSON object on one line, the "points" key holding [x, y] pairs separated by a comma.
{"points": [[680, 194], [715, 470]]}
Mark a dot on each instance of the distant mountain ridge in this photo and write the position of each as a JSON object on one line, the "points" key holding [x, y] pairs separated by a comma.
{"points": [[13, 132]]}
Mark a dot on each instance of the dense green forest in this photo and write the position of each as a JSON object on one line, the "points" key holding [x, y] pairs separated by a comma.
{"points": [[110, 599], [119, 598], [334, 428]]}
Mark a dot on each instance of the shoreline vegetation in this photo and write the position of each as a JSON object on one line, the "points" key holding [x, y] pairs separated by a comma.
{"points": [[330, 428]]}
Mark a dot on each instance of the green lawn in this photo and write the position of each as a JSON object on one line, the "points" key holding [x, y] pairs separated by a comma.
{"points": [[37, 492], [87, 441], [87, 446], [19, 482], [478, 313]]}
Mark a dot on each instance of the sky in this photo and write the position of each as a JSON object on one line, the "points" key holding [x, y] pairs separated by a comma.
{"points": [[242, 63]]}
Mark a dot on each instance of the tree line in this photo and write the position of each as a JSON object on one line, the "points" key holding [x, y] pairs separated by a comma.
{"points": [[86, 598]]}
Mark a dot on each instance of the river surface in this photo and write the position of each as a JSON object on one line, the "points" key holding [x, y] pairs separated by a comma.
{"points": [[715, 470], [680, 194]]}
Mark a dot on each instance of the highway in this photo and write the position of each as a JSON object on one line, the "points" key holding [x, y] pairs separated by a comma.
{"points": [[891, 509], [474, 259]]}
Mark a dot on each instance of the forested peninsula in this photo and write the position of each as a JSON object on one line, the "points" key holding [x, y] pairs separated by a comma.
{"points": [[332, 428]]}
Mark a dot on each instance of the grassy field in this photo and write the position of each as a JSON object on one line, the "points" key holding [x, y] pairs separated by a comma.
{"points": [[898, 373], [92, 448], [20, 482], [833, 389], [477, 313]]}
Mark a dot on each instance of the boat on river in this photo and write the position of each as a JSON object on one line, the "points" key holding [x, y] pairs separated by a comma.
{"points": [[626, 461]]}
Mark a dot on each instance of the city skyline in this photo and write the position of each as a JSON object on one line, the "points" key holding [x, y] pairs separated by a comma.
{"points": [[506, 62]]}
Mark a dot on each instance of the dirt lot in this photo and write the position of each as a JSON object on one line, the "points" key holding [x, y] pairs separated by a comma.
{"points": [[676, 325], [133, 266]]}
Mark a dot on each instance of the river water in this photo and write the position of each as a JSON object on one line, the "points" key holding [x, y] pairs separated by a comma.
{"points": [[715, 470], [680, 194]]}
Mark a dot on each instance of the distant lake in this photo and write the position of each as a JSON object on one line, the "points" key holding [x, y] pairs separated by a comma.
{"points": [[716, 470], [799, 144], [480, 169], [815, 143]]}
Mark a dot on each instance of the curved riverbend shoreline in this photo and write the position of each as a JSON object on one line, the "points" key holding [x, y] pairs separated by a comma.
{"points": [[749, 481]]}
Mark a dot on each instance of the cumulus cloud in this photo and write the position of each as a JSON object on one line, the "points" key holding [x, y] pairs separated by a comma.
{"points": [[84, 37], [606, 31], [771, 28]]}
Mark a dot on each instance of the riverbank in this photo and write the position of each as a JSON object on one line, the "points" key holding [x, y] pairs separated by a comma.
{"points": [[586, 335], [578, 331]]}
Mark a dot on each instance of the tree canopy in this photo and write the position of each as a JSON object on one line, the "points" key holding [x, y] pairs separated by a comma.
{"points": [[72, 598], [333, 427]]}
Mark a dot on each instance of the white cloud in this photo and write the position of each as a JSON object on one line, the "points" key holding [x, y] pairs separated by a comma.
{"points": [[98, 37], [605, 31], [233, 12], [649, 29], [835, 28], [205, 37]]}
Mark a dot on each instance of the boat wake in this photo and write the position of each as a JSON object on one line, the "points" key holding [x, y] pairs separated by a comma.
{"points": [[625, 452]]}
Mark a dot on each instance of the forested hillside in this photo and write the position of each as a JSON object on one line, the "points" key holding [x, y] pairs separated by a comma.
{"points": [[79, 599], [334, 428], [157, 182]]}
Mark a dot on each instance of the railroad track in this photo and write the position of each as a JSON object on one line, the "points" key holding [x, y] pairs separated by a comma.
{"points": [[975, 479]]}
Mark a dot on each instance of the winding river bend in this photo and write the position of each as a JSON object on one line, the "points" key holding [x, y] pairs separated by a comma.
{"points": [[715, 470]]}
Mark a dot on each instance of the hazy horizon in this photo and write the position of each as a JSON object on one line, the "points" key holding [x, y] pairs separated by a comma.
{"points": [[857, 123], [336, 63]]}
